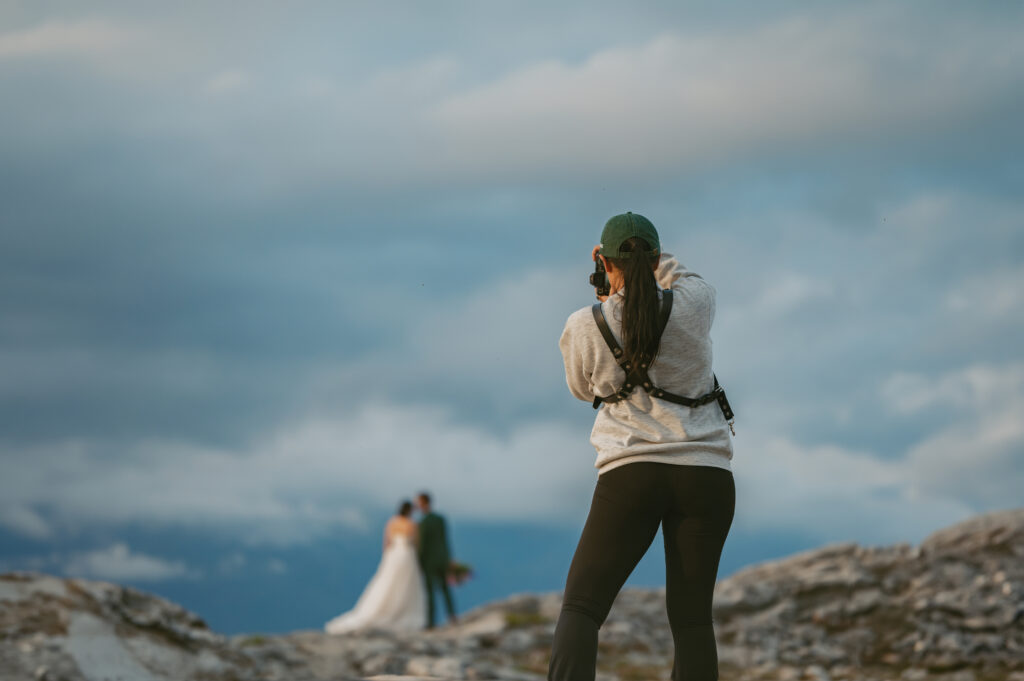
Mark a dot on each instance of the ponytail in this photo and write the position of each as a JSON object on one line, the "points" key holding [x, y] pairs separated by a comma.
{"points": [[640, 324]]}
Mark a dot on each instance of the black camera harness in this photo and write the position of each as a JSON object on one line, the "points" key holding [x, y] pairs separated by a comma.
{"points": [[637, 376]]}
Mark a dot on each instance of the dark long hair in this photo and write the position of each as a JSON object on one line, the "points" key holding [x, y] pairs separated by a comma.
{"points": [[640, 308]]}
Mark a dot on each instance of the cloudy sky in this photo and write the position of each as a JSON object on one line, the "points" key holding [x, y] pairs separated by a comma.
{"points": [[265, 272]]}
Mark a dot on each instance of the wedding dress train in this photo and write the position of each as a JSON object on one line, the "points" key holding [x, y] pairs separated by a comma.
{"points": [[395, 597]]}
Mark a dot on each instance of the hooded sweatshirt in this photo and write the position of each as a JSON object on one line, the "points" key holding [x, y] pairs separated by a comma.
{"points": [[641, 427]]}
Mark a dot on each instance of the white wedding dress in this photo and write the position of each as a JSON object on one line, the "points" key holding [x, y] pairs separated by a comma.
{"points": [[395, 598]]}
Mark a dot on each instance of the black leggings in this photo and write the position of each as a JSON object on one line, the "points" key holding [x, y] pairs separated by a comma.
{"points": [[694, 506]]}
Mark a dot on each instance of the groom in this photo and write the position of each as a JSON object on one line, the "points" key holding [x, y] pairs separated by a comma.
{"points": [[435, 555]]}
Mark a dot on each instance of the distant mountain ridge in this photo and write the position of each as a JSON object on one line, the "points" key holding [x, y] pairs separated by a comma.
{"points": [[952, 607]]}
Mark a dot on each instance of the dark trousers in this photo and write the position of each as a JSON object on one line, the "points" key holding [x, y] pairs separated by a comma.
{"points": [[694, 506], [437, 577]]}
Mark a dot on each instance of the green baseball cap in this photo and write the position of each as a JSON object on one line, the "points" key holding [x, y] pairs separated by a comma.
{"points": [[623, 227]]}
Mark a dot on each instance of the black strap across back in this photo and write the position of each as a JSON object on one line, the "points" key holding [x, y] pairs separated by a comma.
{"points": [[638, 377]]}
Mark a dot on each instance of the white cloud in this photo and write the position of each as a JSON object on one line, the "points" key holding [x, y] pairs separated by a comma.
{"points": [[228, 82], [390, 452], [984, 389], [424, 80], [327, 469], [790, 290], [499, 342], [317, 474], [118, 562], [505, 335], [978, 461], [305, 478], [989, 297], [921, 214], [978, 455], [232, 562], [24, 521], [681, 100], [973, 462], [677, 100], [776, 295], [56, 38], [834, 493]]}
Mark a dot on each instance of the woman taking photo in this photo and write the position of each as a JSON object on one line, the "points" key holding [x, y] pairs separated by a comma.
{"points": [[662, 435]]}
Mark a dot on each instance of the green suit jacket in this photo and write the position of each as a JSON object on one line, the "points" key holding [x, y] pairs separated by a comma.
{"points": [[434, 552]]}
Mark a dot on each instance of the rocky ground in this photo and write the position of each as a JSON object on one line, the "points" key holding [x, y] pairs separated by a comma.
{"points": [[951, 608]]}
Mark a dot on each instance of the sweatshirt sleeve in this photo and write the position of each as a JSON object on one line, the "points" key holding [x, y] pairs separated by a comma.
{"points": [[577, 376], [673, 274], [670, 271]]}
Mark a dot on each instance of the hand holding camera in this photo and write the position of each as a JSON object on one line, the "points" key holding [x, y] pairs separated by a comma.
{"points": [[599, 278]]}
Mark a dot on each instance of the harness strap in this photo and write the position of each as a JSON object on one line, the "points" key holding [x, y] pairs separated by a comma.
{"points": [[637, 376], [602, 326], [666, 312], [609, 337]]}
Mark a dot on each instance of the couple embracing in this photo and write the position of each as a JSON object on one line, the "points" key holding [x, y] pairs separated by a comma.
{"points": [[415, 562]]}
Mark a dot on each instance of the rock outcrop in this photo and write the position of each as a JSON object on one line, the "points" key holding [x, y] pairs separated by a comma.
{"points": [[953, 604], [951, 608]]}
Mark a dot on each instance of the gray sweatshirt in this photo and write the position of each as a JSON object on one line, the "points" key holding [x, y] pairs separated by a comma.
{"points": [[645, 428]]}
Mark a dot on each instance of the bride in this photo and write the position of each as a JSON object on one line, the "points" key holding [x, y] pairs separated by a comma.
{"points": [[395, 597]]}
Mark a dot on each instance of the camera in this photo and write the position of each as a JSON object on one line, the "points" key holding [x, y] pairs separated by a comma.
{"points": [[599, 279]]}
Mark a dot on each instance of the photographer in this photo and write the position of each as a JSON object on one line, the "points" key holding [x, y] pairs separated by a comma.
{"points": [[662, 435]]}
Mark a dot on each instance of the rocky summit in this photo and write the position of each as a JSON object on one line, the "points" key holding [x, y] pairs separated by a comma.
{"points": [[951, 608]]}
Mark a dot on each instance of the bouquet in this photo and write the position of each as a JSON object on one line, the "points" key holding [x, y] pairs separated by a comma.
{"points": [[459, 572]]}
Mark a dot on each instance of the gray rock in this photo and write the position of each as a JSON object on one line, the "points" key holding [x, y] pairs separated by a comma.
{"points": [[518, 641], [378, 665], [951, 609], [513, 674], [445, 667]]}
